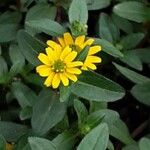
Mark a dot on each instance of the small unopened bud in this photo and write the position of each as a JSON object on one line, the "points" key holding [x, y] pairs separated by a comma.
{"points": [[77, 28], [84, 129]]}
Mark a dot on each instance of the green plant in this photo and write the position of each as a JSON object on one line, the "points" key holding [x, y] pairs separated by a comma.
{"points": [[68, 115]]}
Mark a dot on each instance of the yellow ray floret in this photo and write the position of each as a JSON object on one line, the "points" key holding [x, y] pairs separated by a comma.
{"points": [[9, 146], [59, 65], [78, 44]]}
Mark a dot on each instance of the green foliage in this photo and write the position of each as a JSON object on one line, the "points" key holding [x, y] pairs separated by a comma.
{"points": [[141, 92], [78, 11], [144, 144], [40, 144], [95, 87], [79, 116], [29, 46], [2, 143], [131, 75], [49, 111], [98, 4], [100, 135], [132, 10]]}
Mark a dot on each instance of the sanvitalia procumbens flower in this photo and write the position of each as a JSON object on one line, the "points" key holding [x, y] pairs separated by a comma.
{"points": [[78, 44], [59, 65]]}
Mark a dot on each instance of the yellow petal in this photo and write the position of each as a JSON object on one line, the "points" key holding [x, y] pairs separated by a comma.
{"points": [[61, 41], [49, 53], [73, 70], [55, 47], [65, 52], [9, 146], [56, 81], [49, 79], [71, 76], [93, 59], [64, 79], [94, 50], [91, 66], [74, 64], [43, 70], [68, 38], [84, 68], [70, 57], [53, 44], [44, 59], [80, 40], [89, 42]]}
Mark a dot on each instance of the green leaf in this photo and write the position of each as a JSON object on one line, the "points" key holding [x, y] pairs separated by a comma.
{"points": [[2, 143], [17, 60], [25, 3], [104, 115], [100, 135], [65, 141], [12, 131], [120, 131], [49, 111], [142, 92], [107, 29], [132, 40], [4, 67], [0, 50], [108, 47], [122, 24], [26, 113], [132, 59], [110, 145], [95, 87], [43, 10], [40, 144], [110, 116], [78, 11], [33, 79], [83, 54], [144, 144], [15, 69], [131, 147], [8, 32], [131, 75], [65, 93], [27, 147], [15, 55], [132, 10], [9, 25], [47, 26], [22, 142], [29, 46], [80, 110], [98, 4], [24, 95], [94, 106], [10, 17], [144, 54]]}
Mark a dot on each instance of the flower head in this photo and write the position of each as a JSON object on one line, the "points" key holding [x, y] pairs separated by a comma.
{"points": [[78, 44], [59, 65]]}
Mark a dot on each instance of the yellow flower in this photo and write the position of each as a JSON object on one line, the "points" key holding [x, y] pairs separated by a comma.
{"points": [[78, 45], [58, 65]]}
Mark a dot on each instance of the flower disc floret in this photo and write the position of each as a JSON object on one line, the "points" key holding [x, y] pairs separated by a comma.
{"points": [[58, 66]]}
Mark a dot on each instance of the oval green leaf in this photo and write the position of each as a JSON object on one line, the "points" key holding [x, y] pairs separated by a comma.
{"points": [[97, 139], [95, 87]]}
